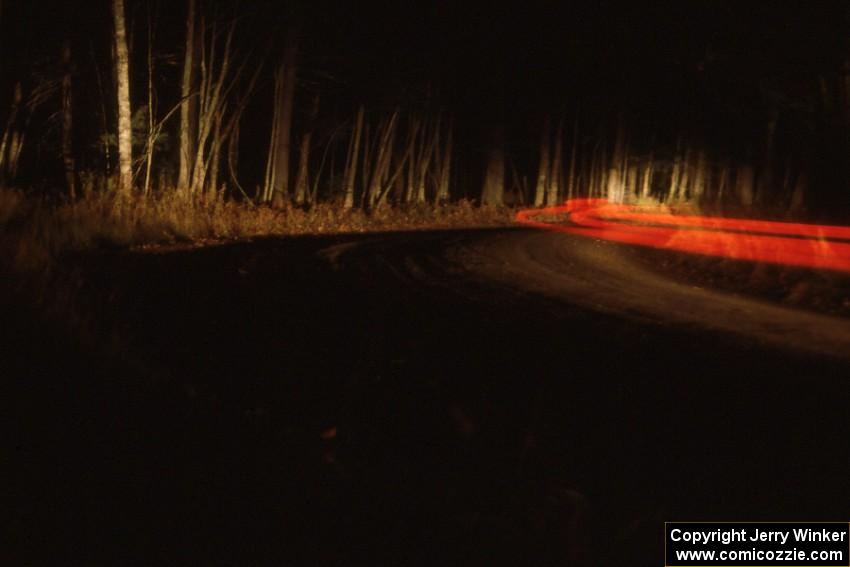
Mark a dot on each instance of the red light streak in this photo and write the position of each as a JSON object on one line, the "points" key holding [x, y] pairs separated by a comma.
{"points": [[792, 244]]}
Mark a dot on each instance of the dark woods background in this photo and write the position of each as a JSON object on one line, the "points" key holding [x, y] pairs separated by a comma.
{"points": [[720, 102]]}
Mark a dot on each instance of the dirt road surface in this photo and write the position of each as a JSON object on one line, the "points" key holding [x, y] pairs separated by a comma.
{"points": [[465, 397]]}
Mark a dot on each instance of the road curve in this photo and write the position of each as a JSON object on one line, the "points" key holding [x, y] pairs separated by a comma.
{"points": [[599, 275], [607, 277], [500, 396]]}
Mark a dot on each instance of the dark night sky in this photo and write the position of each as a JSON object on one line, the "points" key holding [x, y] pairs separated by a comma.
{"points": [[706, 68], [666, 62], [478, 53]]}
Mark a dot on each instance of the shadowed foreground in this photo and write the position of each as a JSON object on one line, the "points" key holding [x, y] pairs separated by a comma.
{"points": [[424, 398]]}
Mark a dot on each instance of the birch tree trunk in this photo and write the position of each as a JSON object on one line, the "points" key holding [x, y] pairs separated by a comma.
{"points": [[125, 125], [187, 149]]}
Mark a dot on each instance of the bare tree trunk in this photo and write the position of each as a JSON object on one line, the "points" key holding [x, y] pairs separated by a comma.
{"points": [[284, 131], [388, 181], [413, 170], [107, 155], [68, 123], [213, 90], [302, 181], [673, 190], [592, 168], [616, 171], [744, 180], [700, 177], [125, 125], [15, 148], [186, 130], [215, 156], [233, 158], [492, 193], [553, 192], [571, 182], [632, 182], [424, 158], [330, 148], [384, 138], [270, 171], [366, 166], [444, 167], [8, 141], [351, 163], [685, 174], [646, 186], [614, 186], [152, 132], [543, 167], [420, 158], [407, 189], [723, 180]]}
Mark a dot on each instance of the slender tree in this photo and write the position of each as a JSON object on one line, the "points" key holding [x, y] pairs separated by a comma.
{"points": [[12, 139], [302, 181], [444, 166], [351, 162], [492, 193], [187, 149], [554, 183], [223, 93], [122, 75], [543, 167], [284, 96], [572, 182]]}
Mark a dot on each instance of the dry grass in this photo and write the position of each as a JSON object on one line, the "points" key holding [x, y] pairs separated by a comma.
{"points": [[38, 240], [34, 233]]}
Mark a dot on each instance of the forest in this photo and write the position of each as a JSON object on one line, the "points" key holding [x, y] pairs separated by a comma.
{"points": [[402, 282], [298, 104]]}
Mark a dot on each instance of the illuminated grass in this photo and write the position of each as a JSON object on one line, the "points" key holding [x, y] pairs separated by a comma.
{"points": [[34, 232]]}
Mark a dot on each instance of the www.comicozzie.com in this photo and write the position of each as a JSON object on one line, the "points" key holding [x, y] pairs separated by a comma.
{"points": [[692, 544]]}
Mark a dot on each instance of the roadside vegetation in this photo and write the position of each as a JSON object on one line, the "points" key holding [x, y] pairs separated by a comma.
{"points": [[217, 123], [35, 233]]}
